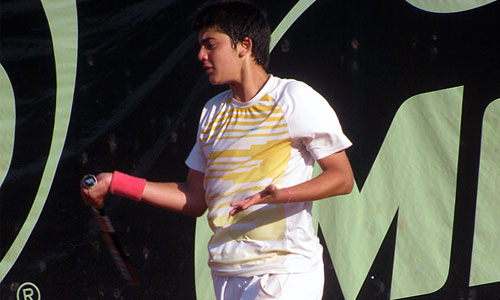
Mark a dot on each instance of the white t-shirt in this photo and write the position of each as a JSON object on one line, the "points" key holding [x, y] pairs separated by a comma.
{"points": [[274, 138]]}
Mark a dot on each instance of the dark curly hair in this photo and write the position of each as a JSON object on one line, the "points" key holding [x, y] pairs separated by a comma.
{"points": [[238, 20]]}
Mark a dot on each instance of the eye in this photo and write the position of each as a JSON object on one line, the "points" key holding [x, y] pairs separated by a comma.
{"points": [[210, 45]]}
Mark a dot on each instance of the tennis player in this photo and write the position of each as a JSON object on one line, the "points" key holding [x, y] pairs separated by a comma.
{"points": [[251, 166]]}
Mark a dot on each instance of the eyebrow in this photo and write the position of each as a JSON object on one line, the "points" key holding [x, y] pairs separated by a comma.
{"points": [[207, 39]]}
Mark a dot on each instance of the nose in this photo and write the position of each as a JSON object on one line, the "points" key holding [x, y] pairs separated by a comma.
{"points": [[202, 54]]}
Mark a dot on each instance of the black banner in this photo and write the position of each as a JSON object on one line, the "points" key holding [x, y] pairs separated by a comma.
{"points": [[98, 86]]}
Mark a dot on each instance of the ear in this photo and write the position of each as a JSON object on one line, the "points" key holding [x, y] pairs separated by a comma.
{"points": [[245, 46]]}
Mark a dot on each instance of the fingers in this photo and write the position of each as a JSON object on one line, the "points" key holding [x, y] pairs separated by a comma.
{"points": [[89, 199], [86, 197], [264, 196], [244, 204], [234, 211], [94, 195]]}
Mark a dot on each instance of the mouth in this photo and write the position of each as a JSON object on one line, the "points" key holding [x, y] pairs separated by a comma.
{"points": [[208, 69]]}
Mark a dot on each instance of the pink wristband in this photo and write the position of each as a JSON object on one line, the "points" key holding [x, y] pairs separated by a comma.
{"points": [[127, 186], [289, 195]]}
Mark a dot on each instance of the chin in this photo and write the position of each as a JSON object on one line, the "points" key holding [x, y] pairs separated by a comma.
{"points": [[215, 81]]}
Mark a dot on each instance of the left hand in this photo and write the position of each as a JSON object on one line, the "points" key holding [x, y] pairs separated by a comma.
{"points": [[267, 195]]}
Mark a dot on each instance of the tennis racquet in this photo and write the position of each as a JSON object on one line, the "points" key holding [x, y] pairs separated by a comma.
{"points": [[109, 235]]}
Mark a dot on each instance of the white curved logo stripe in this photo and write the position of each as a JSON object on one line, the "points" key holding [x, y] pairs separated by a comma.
{"points": [[7, 123], [448, 6], [62, 19], [288, 20]]}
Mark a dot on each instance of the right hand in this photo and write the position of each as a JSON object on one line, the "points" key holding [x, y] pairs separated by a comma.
{"points": [[95, 195]]}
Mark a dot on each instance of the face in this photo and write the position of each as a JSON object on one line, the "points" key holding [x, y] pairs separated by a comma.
{"points": [[220, 59]]}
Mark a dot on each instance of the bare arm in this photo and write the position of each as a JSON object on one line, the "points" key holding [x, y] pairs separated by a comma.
{"points": [[185, 197], [336, 179]]}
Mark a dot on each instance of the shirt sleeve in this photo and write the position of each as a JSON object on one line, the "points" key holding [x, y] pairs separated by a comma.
{"points": [[313, 122], [196, 159]]}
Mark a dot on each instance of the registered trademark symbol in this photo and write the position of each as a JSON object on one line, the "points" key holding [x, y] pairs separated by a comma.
{"points": [[28, 291]]}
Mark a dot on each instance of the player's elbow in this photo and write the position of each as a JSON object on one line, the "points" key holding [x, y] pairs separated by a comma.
{"points": [[346, 185], [198, 212], [350, 185], [194, 209]]}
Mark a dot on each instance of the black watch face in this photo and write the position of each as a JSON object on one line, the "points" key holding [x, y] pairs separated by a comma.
{"points": [[89, 180]]}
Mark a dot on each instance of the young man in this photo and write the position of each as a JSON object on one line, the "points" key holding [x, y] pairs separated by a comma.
{"points": [[252, 164]]}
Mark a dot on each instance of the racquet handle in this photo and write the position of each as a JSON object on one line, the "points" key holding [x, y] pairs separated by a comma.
{"points": [[109, 235]]}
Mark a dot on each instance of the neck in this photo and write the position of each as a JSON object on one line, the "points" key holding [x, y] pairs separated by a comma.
{"points": [[251, 82]]}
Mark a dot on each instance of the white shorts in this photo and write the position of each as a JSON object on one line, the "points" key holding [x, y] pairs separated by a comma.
{"points": [[290, 286]]}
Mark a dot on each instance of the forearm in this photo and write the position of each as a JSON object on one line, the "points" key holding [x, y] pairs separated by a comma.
{"points": [[327, 184], [187, 197], [336, 179], [179, 197]]}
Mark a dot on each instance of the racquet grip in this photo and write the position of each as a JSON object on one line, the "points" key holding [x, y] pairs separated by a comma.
{"points": [[127, 185]]}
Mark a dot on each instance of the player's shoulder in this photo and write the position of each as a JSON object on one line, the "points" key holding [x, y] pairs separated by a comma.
{"points": [[292, 86], [288, 89]]}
